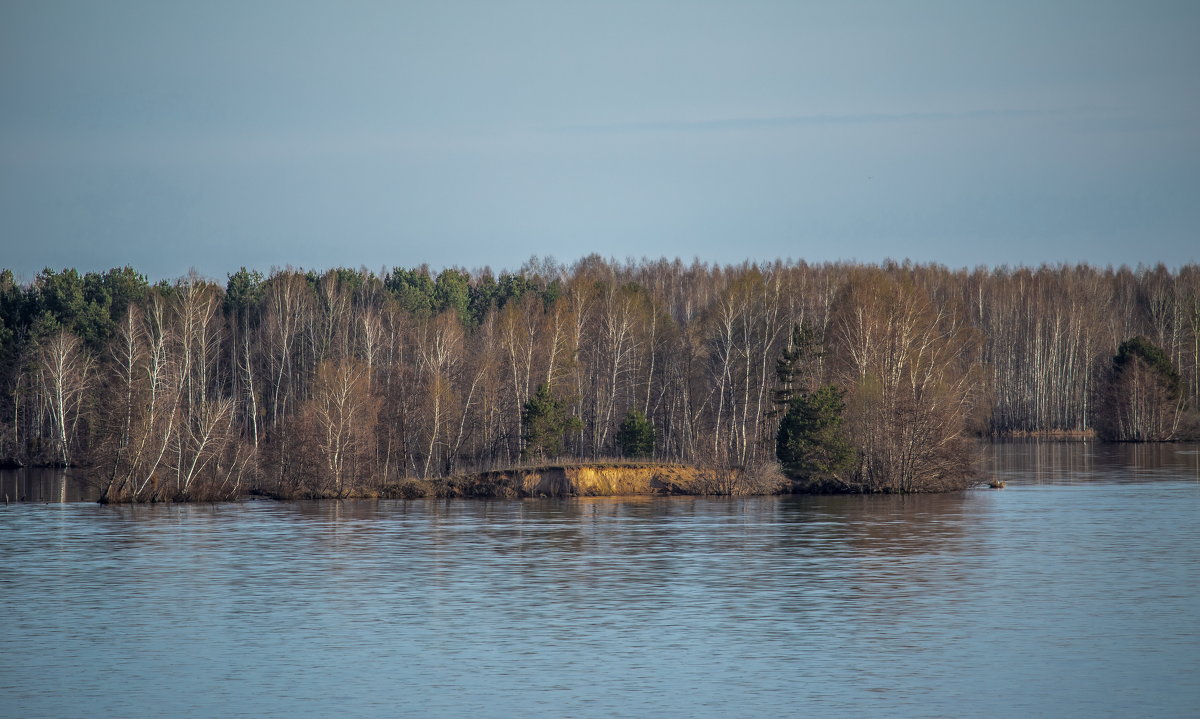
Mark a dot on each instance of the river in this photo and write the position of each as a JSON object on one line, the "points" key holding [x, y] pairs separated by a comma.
{"points": [[1074, 592]]}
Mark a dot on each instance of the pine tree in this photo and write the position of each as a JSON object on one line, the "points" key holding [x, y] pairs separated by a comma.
{"points": [[545, 420], [636, 435], [1142, 397], [796, 368], [811, 444]]}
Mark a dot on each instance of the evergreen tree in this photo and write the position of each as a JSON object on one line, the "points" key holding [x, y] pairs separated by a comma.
{"points": [[413, 289], [811, 444], [482, 297], [243, 291], [113, 291], [513, 288], [795, 368], [1140, 348], [1142, 397], [636, 435], [452, 291], [545, 420]]}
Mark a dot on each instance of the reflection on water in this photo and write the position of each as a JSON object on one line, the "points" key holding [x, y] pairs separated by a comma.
{"points": [[38, 484], [1014, 461], [1071, 593], [1072, 462]]}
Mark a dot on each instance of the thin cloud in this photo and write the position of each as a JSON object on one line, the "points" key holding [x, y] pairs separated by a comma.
{"points": [[816, 120]]}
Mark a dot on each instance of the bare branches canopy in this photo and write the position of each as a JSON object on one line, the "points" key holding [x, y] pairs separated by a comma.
{"points": [[332, 383]]}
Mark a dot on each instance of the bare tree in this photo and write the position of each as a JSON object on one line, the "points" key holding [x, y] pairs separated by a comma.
{"points": [[907, 365], [340, 419], [64, 373]]}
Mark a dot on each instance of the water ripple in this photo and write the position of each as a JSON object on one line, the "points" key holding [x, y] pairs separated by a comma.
{"points": [[1043, 599]]}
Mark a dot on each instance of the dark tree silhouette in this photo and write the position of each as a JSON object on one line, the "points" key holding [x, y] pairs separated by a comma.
{"points": [[546, 420], [635, 437], [1142, 397], [812, 444]]}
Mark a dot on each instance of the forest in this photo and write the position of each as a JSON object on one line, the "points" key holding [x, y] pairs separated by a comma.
{"points": [[344, 382]]}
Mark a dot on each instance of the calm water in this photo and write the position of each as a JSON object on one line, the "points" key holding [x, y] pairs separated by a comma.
{"points": [[1074, 592]]}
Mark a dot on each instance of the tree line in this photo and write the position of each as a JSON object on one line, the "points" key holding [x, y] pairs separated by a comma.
{"points": [[328, 382]]}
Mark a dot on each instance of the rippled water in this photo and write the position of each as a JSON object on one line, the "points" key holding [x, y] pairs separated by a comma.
{"points": [[1074, 592]]}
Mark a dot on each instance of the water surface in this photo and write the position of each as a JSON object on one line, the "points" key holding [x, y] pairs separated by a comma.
{"points": [[1071, 593]]}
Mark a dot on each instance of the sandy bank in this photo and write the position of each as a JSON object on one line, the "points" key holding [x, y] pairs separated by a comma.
{"points": [[604, 479]]}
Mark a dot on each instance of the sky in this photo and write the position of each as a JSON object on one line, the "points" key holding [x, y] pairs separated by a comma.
{"points": [[212, 135]]}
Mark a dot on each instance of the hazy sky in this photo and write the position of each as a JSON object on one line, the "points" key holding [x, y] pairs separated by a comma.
{"points": [[173, 134]]}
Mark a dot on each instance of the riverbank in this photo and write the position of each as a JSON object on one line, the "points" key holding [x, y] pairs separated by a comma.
{"points": [[1048, 435], [617, 477], [592, 479]]}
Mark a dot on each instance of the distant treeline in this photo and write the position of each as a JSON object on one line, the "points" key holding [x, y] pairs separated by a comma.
{"points": [[344, 378]]}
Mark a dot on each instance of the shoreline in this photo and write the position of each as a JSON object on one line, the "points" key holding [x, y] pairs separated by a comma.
{"points": [[562, 480], [1047, 435]]}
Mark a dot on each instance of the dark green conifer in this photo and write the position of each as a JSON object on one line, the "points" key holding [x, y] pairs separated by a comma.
{"points": [[545, 421], [1141, 398], [811, 444], [636, 435]]}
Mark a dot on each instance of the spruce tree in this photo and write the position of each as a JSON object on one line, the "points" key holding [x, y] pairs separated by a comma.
{"points": [[797, 367], [545, 421], [1141, 397], [636, 435], [811, 444]]}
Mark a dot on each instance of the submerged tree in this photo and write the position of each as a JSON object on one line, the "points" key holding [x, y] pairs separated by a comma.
{"points": [[635, 437], [1142, 397]]}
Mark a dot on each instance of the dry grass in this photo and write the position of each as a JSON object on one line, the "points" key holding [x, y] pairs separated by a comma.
{"points": [[1058, 435], [606, 478]]}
